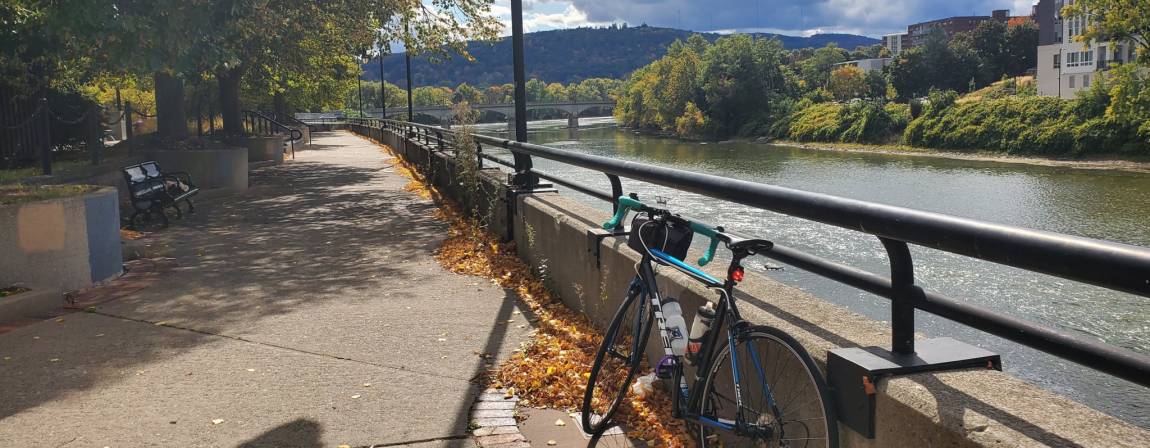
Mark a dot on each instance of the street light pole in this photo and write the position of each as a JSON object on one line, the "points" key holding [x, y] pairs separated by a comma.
{"points": [[523, 178], [382, 86], [407, 53]]}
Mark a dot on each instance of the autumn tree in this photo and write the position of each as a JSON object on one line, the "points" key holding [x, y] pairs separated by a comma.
{"points": [[847, 82]]}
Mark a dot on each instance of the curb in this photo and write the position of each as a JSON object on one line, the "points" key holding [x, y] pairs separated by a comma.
{"points": [[494, 414], [141, 274]]}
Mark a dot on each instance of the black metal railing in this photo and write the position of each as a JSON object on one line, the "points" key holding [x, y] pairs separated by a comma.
{"points": [[287, 118], [1110, 265], [258, 123]]}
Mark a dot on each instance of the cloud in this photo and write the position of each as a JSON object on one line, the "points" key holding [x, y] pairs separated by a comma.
{"points": [[793, 17]]}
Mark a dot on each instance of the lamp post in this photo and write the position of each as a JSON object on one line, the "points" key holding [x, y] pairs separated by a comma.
{"points": [[523, 178], [382, 86], [407, 54]]}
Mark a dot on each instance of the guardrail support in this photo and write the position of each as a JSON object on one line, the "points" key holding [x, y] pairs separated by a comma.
{"points": [[46, 147], [854, 372]]}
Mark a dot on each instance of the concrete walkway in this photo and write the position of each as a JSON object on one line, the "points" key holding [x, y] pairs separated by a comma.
{"points": [[290, 299]]}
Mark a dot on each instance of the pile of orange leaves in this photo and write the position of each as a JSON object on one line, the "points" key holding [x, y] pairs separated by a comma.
{"points": [[551, 371]]}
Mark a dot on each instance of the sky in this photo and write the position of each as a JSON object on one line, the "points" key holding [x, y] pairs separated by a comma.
{"points": [[789, 17]]}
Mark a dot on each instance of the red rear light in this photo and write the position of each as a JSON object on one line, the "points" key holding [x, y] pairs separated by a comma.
{"points": [[737, 275]]}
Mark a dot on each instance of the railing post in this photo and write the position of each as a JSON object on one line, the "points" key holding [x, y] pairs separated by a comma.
{"points": [[616, 192], [46, 147], [903, 291], [439, 138], [128, 126], [94, 140], [479, 155]]}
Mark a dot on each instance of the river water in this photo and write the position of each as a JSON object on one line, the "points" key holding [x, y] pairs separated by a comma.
{"points": [[1103, 204]]}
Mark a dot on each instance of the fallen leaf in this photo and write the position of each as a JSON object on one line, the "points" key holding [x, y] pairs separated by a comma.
{"points": [[160, 323], [522, 326], [366, 384], [60, 319], [217, 421], [189, 373], [7, 358], [442, 340], [353, 397], [100, 335], [515, 312], [251, 370], [560, 423], [139, 373], [55, 359], [551, 442]]}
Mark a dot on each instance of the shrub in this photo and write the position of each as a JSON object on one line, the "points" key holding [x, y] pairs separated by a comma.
{"points": [[915, 108]]}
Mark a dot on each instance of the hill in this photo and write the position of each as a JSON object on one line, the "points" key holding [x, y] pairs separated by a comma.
{"points": [[570, 55]]}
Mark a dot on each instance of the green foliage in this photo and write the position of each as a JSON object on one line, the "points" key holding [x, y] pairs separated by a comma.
{"points": [[848, 82], [1025, 125], [692, 123], [914, 107], [937, 64], [816, 70], [863, 122]]}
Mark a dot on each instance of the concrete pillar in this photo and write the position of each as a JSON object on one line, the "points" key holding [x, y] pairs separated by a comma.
{"points": [[573, 121], [510, 123]]}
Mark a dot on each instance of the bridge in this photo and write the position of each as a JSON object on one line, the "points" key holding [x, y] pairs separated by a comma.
{"points": [[572, 108]]}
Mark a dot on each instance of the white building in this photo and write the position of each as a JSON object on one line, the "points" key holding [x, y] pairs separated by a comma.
{"points": [[896, 43], [866, 64], [1066, 67]]}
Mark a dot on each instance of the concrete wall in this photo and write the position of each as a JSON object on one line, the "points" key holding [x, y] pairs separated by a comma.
{"points": [[971, 408], [66, 243], [209, 169], [260, 148]]}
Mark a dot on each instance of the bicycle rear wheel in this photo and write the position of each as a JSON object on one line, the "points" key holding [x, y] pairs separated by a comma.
{"points": [[618, 360], [785, 400]]}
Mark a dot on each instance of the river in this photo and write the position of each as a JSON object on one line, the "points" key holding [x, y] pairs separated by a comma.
{"points": [[1105, 204]]}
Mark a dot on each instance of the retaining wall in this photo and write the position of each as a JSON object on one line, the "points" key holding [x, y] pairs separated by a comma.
{"points": [[968, 408], [67, 243]]}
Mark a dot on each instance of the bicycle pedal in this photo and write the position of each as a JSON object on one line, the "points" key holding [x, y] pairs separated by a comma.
{"points": [[666, 368]]}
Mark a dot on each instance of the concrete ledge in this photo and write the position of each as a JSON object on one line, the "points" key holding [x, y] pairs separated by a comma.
{"points": [[209, 168], [971, 408], [37, 300], [260, 147], [66, 243]]}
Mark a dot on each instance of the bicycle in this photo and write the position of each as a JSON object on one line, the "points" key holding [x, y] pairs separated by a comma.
{"points": [[782, 403]]}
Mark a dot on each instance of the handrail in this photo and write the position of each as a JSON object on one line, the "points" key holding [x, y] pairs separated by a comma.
{"points": [[290, 119], [262, 123], [1115, 266]]}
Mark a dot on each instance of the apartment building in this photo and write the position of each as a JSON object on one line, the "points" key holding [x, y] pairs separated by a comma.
{"points": [[896, 43], [1064, 66], [954, 25]]}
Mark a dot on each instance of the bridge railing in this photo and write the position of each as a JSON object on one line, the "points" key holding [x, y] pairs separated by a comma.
{"points": [[1110, 265]]}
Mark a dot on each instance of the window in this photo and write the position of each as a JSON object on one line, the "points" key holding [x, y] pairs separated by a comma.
{"points": [[1085, 81], [1057, 60], [1088, 56], [1071, 81]]}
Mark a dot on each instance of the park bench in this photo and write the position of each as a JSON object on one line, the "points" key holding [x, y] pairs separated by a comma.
{"points": [[151, 190]]}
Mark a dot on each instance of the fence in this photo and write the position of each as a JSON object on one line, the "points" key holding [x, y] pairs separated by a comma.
{"points": [[31, 131], [1106, 264]]}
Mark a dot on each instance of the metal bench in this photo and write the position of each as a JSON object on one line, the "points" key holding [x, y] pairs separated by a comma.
{"points": [[151, 190]]}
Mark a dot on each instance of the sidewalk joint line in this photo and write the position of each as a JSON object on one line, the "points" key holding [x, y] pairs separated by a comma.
{"points": [[266, 344]]}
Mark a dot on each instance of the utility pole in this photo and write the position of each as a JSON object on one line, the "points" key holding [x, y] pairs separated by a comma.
{"points": [[361, 96], [523, 178]]}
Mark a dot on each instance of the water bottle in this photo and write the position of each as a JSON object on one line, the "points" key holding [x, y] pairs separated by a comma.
{"points": [[676, 327], [699, 329]]}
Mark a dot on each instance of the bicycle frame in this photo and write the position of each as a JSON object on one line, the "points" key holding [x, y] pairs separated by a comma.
{"points": [[726, 315]]}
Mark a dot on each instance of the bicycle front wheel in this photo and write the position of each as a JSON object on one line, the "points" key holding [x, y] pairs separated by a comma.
{"points": [[785, 400], [618, 359]]}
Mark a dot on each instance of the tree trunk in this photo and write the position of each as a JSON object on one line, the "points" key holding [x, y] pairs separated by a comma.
{"points": [[230, 107], [280, 105], [171, 116]]}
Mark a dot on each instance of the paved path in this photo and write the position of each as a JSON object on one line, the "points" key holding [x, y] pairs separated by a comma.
{"points": [[289, 298]]}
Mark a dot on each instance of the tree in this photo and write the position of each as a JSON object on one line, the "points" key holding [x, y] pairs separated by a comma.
{"points": [[1021, 47], [1120, 20], [989, 42], [937, 64], [817, 69], [847, 82], [877, 85]]}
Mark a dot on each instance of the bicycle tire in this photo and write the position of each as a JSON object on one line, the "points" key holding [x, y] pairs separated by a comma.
{"points": [[615, 389], [803, 373]]}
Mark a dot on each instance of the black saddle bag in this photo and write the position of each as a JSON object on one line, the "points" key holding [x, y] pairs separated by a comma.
{"points": [[672, 239]]}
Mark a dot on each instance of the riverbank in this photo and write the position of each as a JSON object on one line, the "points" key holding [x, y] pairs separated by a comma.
{"points": [[1138, 166], [1131, 165]]}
